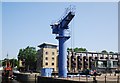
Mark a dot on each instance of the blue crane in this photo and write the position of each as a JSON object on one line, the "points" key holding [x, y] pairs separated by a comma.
{"points": [[60, 28]]}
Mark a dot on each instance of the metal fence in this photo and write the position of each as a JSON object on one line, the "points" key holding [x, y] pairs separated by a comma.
{"points": [[104, 78]]}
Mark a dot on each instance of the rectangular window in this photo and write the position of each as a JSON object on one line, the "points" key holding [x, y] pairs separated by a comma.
{"points": [[115, 64], [52, 58], [102, 63], [53, 53], [46, 58], [52, 64], [46, 63], [46, 53]]}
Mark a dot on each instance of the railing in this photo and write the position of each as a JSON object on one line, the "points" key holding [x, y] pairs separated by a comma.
{"points": [[71, 9], [104, 78]]}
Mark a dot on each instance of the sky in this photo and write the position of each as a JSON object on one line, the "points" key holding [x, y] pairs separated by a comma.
{"points": [[119, 27], [94, 27], [0, 30], [59, 0]]}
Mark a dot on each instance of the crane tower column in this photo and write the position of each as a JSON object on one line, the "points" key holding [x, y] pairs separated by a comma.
{"points": [[61, 29]]}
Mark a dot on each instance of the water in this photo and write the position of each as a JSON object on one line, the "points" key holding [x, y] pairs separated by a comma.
{"points": [[6, 80], [15, 81], [10, 81], [3, 80]]}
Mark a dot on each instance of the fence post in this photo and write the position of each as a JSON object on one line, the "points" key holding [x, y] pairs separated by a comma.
{"points": [[118, 80], [115, 74], [94, 79], [73, 76], [35, 78], [105, 79], [86, 78], [54, 75]]}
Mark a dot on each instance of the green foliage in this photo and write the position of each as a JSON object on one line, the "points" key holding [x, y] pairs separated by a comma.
{"points": [[13, 62], [30, 56], [104, 52], [85, 50], [111, 52], [77, 49], [0, 63], [69, 49], [3, 63]]}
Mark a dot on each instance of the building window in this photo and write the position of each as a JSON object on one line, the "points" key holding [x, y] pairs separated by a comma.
{"points": [[46, 63], [46, 53], [80, 54], [52, 63], [52, 58], [53, 53], [46, 58], [115, 64]]}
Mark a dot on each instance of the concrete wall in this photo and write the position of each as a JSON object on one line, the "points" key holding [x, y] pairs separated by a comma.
{"points": [[30, 78], [53, 80], [26, 77]]}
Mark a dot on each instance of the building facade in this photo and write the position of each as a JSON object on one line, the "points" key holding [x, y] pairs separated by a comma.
{"points": [[47, 57], [21, 63], [90, 60], [76, 61]]}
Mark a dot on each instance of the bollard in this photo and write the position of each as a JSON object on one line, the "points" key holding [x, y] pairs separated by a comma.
{"points": [[105, 79], [94, 80]]}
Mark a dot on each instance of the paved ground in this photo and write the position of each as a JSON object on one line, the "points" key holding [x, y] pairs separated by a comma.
{"points": [[109, 77], [112, 78]]}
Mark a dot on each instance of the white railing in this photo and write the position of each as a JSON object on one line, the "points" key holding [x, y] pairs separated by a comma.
{"points": [[71, 8]]}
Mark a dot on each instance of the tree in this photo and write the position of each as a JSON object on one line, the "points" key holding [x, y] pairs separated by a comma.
{"points": [[111, 52], [13, 62], [21, 54], [29, 54], [104, 52], [69, 49], [77, 49], [4, 62], [0, 63]]}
